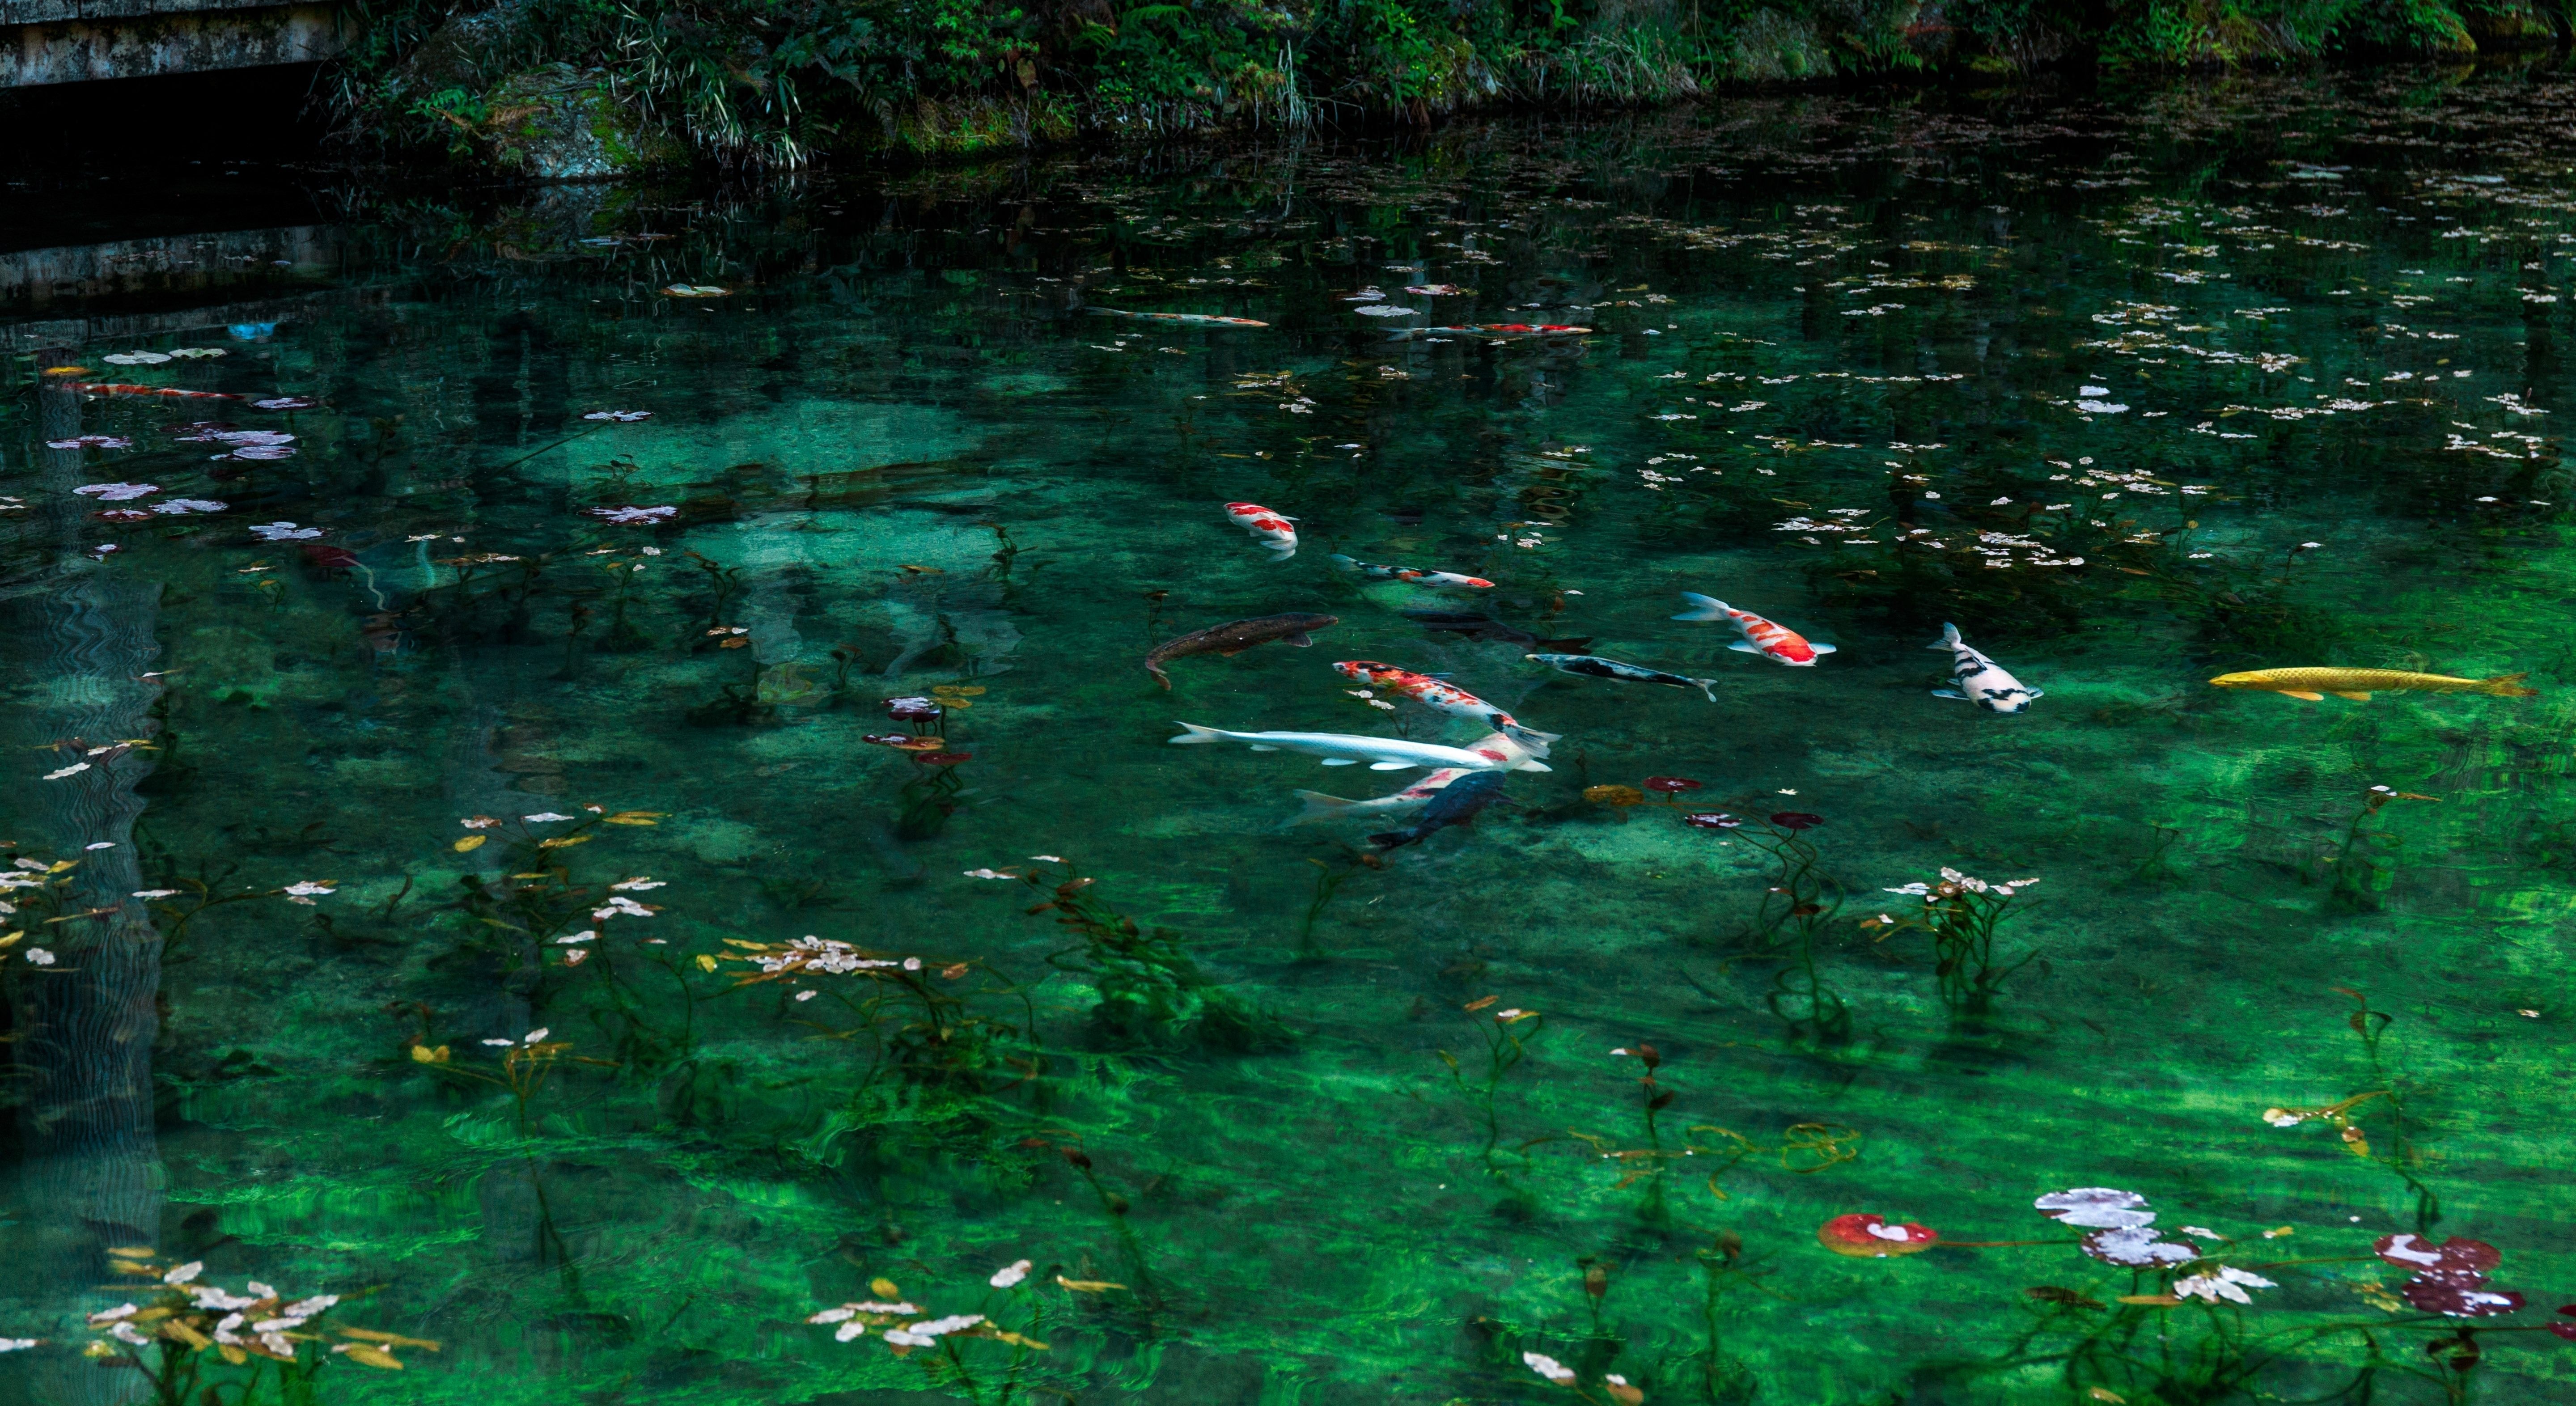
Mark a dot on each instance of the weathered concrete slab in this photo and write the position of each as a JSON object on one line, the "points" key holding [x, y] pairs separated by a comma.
{"points": [[73, 41], [190, 282]]}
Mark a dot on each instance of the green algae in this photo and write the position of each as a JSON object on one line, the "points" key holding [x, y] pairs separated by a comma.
{"points": [[1314, 1136]]}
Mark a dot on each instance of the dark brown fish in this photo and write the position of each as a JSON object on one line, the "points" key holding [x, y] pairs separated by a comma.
{"points": [[1234, 637]]}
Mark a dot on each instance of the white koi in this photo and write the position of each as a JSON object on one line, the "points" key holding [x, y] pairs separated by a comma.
{"points": [[1380, 753], [1979, 680]]}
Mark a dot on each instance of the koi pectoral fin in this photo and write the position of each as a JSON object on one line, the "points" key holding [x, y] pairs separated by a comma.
{"points": [[1331, 761], [1266, 747], [1949, 693], [1745, 647], [2295, 693], [1390, 766], [1300, 639], [2355, 697], [1822, 648]]}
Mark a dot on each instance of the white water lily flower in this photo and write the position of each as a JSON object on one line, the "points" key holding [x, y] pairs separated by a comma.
{"points": [[128, 1333], [479, 822], [185, 1272], [585, 935], [73, 770], [39, 957], [852, 1329], [832, 1315], [1384, 310], [640, 881], [901, 1337], [1010, 1274], [18, 1344], [211, 1296], [1048, 858], [109, 1315], [544, 816], [938, 1327], [283, 532], [1548, 1367], [620, 903], [139, 358], [2093, 390], [2228, 1283], [2096, 1207], [116, 492], [988, 874], [533, 1036], [308, 888], [183, 506]]}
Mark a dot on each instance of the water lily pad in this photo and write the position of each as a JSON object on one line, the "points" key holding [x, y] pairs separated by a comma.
{"points": [[1863, 1235], [2134, 1247], [2096, 1207], [2458, 1300], [2458, 1254]]}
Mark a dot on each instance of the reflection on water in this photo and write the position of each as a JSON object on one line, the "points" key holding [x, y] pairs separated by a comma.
{"points": [[612, 805]]}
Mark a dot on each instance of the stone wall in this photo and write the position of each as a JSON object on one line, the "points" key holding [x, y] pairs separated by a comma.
{"points": [[72, 41]]}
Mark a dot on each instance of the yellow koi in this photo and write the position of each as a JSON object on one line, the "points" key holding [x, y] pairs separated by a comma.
{"points": [[2358, 684]]}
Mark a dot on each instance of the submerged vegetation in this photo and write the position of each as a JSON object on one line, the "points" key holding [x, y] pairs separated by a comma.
{"points": [[589, 87]]}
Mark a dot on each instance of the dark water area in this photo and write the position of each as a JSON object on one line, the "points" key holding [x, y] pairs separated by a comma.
{"points": [[585, 787]]}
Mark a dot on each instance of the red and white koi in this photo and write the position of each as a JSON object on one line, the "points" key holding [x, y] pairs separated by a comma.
{"points": [[1179, 319], [1413, 574], [1276, 532], [1763, 637], [1442, 696], [1319, 806], [121, 388], [1491, 329]]}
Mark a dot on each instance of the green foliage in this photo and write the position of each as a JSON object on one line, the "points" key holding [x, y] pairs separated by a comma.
{"points": [[778, 83]]}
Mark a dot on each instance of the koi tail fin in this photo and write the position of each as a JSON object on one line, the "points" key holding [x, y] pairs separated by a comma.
{"points": [[1531, 737], [1193, 733], [1393, 838], [1703, 607], [1705, 688], [1159, 676], [1949, 638], [2507, 686], [1318, 806]]}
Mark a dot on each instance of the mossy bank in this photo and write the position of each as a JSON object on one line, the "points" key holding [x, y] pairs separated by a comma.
{"points": [[587, 88]]}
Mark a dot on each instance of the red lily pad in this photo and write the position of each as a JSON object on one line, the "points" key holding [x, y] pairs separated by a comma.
{"points": [[944, 758], [1797, 820], [1671, 785], [2458, 1300], [1865, 1236], [2457, 1255]]}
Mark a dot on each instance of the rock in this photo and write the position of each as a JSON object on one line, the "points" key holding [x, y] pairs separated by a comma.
{"points": [[561, 124], [467, 51]]}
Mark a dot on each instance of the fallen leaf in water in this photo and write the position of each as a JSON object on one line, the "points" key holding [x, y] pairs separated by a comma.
{"points": [[470, 842], [1088, 1286], [565, 841], [634, 817], [424, 1054]]}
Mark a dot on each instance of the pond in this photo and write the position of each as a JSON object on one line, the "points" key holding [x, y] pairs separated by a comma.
{"points": [[584, 777]]}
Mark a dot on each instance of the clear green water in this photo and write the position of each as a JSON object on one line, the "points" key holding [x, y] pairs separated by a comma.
{"points": [[2337, 314]]}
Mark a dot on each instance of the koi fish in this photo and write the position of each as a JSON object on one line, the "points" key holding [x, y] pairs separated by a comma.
{"points": [[1409, 573], [1178, 319], [1441, 697], [1235, 636], [1456, 805], [1277, 533], [121, 388], [1491, 329], [1593, 666], [1979, 680], [1761, 636], [1319, 806], [2359, 684], [1381, 753]]}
